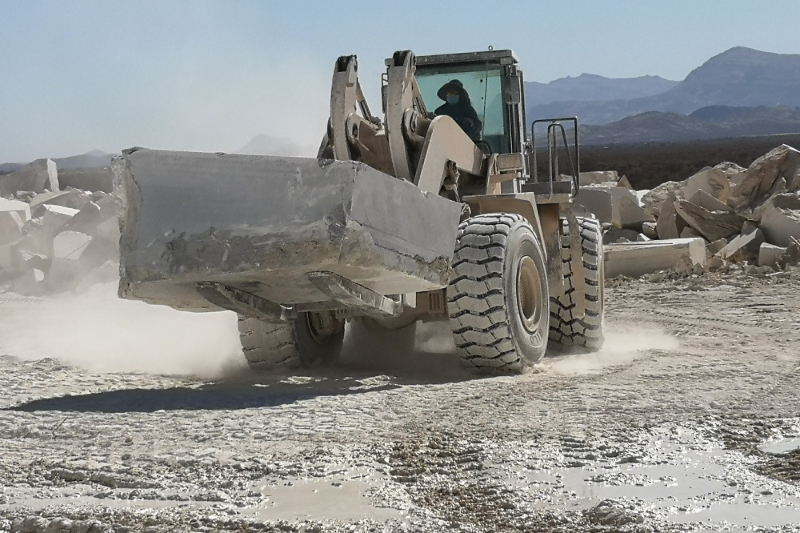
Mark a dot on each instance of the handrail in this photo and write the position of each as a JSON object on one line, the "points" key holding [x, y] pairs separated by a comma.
{"points": [[554, 126]]}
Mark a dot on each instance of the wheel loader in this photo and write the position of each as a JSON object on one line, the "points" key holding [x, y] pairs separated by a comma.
{"points": [[421, 215]]}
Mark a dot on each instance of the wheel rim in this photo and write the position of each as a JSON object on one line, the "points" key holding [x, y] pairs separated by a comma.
{"points": [[321, 326], [529, 294]]}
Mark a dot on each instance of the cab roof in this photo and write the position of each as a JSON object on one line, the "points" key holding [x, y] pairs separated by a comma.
{"points": [[500, 57]]}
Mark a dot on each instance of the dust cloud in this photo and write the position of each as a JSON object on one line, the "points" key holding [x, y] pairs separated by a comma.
{"points": [[419, 353], [100, 332], [623, 344]]}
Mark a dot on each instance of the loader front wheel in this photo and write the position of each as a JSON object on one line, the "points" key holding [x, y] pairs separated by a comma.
{"points": [[308, 340], [498, 299], [568, 331]]}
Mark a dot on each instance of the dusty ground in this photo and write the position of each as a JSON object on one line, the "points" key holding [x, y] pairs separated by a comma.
{"points": [[689, 420]]}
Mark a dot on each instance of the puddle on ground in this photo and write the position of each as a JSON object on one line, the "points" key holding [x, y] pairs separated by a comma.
{"points": [[86, 495], [346, 495], [699, 489], [780, 446], [680, 479]]}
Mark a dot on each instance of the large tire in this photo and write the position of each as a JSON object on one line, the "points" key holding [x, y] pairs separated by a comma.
{"points": [[498, 299], [310, 339], [570, 333]]}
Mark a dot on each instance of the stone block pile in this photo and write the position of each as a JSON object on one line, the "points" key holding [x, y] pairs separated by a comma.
{"points": [[747, 218], [54, 237]]}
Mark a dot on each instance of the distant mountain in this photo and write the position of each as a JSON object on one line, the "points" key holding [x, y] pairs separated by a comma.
{"points": [[736, 115], [587, 112], [711, 122], [6, 168], [281, 146], [594, 88], [739, 77], [721, 114], [652, 126], [93, 159]]}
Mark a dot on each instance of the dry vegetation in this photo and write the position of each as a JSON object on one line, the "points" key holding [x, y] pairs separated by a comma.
{"points": [[650, 164]]}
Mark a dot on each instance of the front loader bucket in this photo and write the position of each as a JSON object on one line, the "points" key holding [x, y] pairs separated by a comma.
{"points": [[264, 225]]}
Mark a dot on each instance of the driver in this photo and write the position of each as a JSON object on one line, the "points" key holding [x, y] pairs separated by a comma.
{"points": [[457, 106]]}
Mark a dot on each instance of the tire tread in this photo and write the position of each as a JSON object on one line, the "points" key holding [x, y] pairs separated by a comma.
{"points": [[568, 331], [268, 346], [476, 305]]}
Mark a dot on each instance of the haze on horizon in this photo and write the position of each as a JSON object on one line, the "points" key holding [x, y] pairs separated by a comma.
{"points": [[211, 75]]}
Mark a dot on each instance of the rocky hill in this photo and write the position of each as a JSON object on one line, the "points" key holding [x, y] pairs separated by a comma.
{"points": [[594, 88], [713, 122], [739, 77], [651, 126]]}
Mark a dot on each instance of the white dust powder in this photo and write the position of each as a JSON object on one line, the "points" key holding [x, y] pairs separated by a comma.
{"points": [[623, 344], [98, 331]]}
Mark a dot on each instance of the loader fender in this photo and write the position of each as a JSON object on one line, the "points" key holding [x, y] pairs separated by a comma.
{"points": [[521, 204], [543, 218]]}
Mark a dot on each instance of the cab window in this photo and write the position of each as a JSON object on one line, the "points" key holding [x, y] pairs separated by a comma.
{"points": [[485, 91]]}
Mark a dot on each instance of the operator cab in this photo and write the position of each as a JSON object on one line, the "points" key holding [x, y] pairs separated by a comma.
{"points": [[493, 83]]}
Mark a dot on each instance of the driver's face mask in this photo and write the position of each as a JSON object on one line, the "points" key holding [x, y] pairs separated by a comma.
{"points": [[452, 99]]}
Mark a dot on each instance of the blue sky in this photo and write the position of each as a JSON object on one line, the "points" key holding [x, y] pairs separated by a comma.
{"points": [[209, 75]]}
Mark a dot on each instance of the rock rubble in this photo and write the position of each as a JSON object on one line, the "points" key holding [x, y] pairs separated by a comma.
{"points": [[55, 239], [749, 219]]}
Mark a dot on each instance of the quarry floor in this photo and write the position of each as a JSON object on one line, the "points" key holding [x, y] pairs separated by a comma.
{"points": [[143, 419]]}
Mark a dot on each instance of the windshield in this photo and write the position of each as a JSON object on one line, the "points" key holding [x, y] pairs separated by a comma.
{"points": [[479, 91]]}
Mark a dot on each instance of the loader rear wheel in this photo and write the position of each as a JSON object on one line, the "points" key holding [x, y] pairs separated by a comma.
{"points": [[498, 299], [311, 339], [568, 332]]}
